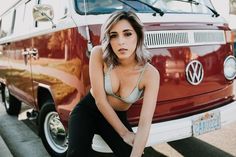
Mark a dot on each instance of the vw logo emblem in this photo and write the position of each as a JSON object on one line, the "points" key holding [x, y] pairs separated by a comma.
{"points": [[194, 72]]}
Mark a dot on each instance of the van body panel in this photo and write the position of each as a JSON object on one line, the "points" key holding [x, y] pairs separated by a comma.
{"points": [[179, 108], [20, 80], [62, 64], [4, 66]]}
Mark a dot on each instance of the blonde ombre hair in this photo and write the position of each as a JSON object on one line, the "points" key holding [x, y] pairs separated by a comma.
{"points": [[142, 56]]}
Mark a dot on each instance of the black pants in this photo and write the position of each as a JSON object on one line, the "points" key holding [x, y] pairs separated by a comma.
{"points": [[86, 120]]}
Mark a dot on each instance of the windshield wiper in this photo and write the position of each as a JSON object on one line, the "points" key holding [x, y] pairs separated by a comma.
{"points": [[216, 14], [157, 10]]}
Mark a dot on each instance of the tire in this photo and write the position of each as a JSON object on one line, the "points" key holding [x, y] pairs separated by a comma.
{"points": [[52, 132], [11, 103]]}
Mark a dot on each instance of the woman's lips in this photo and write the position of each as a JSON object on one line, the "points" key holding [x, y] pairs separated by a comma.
{"points": [[122, 50]]}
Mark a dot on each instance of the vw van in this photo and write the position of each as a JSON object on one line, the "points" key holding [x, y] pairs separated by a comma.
{"points": [[44, 63]]}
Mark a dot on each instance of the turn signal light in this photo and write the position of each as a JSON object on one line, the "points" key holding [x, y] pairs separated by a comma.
{"points": [[229, 36]]}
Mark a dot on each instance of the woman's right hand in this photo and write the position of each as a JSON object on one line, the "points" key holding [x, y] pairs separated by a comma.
{"points": [[129, 138]]}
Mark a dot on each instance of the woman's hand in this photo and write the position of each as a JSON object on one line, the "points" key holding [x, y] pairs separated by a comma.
{"points": [[129, 138]]}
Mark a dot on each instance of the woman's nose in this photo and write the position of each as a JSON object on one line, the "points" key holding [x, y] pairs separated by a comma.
{"points": [[121, 40]]}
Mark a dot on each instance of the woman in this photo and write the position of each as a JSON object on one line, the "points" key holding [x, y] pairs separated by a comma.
{"points": [[120, 75]]}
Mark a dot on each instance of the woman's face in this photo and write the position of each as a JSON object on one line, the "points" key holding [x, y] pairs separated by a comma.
{"points": [[123, 39]]}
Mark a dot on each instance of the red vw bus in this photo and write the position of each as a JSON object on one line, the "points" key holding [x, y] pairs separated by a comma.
{"points": [[45, 54]]}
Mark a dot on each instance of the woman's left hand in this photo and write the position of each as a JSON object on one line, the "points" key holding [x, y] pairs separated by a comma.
{"points": [[129, 138]]}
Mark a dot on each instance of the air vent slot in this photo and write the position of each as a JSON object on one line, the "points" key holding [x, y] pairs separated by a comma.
{"points": [[173, 38]]}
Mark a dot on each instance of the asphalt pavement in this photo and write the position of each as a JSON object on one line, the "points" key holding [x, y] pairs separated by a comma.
{"points": [[18, 139], [5, 152]]}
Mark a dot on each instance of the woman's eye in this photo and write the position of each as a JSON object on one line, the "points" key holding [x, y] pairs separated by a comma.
{"points": [[128, 34], [113, 36]]}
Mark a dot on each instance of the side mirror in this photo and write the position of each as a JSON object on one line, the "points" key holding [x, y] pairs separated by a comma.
{"points": [[43, 12]]}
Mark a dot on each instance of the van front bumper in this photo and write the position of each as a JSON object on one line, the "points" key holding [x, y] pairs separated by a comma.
{"points": [[174, 129]]}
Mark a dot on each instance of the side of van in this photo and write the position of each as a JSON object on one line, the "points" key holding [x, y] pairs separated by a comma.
{"points": [[45, 55]]}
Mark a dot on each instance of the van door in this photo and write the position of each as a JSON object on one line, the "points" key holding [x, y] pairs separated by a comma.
{"points": [[51, 69], [20, 57]]}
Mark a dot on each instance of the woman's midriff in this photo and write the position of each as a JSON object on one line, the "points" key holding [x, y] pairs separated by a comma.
{"points": [[115, 103]]}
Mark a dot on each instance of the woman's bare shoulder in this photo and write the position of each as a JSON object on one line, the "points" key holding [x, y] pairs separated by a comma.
{"points": [[96, 55], [152, 72], [97, 50]]}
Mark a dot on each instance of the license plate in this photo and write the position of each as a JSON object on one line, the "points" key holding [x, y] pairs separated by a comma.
{"points": [[206, 122]]}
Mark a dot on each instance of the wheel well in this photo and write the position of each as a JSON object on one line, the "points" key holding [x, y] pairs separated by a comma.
{"points": [[2, 90], [43, 96], [1, 86]]}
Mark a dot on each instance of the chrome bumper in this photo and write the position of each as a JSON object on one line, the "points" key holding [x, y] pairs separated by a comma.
{"points": [[174, 129]]}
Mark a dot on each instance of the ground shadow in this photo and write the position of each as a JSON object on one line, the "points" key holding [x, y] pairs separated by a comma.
{"points": [[193, 147], [148, 152]]}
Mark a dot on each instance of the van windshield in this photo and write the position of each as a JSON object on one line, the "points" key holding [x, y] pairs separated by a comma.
{"points": [[167, 6]]}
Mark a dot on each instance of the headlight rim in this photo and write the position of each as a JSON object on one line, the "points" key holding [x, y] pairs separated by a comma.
{"points": [[225, 61]]}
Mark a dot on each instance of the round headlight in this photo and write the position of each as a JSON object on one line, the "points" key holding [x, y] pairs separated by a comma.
{"points": [[230, 67]]}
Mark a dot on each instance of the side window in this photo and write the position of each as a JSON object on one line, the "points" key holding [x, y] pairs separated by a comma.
{"points": [[59, 9], [19, 25], [13, 21], [6, 24], [28, 15], [0, 27]]}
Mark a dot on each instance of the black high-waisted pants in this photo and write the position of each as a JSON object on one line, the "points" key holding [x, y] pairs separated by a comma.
{"points": [[86, 120]]}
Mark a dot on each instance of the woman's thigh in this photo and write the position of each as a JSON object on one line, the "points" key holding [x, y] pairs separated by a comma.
{"points": [[81, 132], [113, 139]]}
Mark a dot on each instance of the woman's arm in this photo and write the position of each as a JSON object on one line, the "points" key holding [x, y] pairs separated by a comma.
{"points": [[151, 85], [97, 84]]}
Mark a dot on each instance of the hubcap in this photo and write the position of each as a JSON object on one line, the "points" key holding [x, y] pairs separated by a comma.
{"points": [[7, 98], [55, 133]]}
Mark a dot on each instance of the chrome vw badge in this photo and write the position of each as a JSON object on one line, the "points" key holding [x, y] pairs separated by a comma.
{"points": [[194, 72]]}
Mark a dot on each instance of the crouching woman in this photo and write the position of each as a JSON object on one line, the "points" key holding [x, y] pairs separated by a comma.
{"points": [[120, 74]]}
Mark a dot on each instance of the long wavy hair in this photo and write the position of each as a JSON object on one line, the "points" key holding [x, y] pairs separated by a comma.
{"points": [[142, 55]]}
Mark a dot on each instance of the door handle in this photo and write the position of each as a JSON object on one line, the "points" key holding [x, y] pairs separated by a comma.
{"points": [[25, 54], [30, 53], [34, 53]]}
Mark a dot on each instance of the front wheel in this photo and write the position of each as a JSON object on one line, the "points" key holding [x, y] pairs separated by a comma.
{"points": [[52, 132], [11, 103]]}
